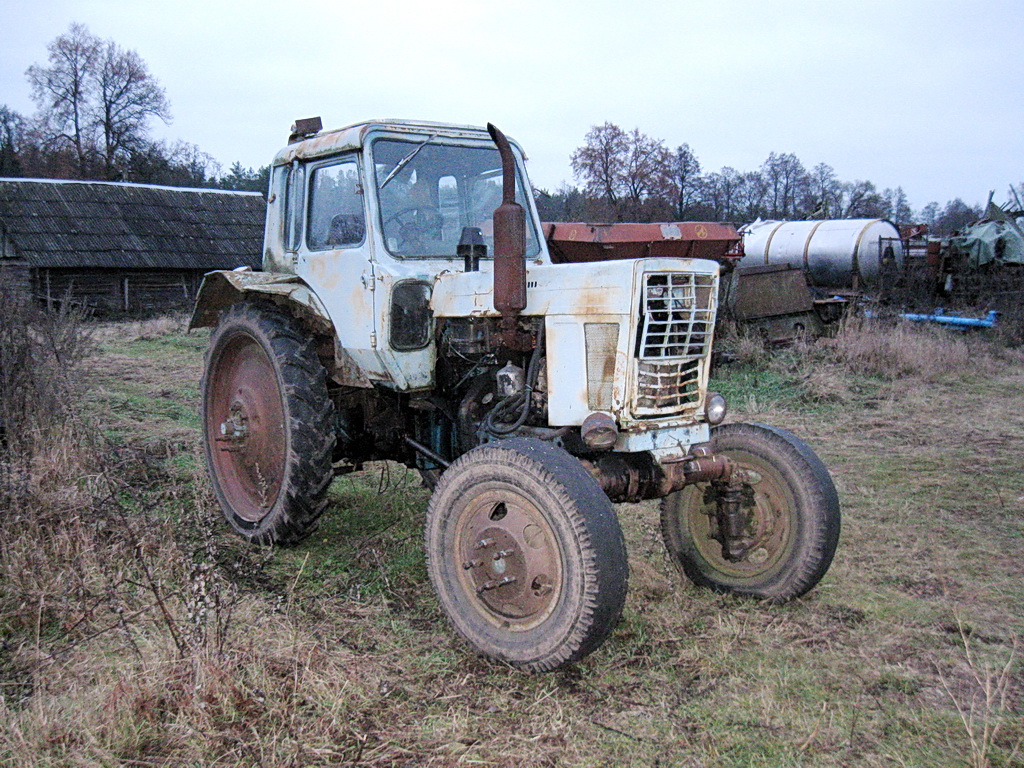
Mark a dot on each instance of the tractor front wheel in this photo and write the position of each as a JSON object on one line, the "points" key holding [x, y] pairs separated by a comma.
{"points": [[526, 554], [791, 510]]}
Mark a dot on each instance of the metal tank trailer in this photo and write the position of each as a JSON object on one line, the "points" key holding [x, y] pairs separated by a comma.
{"points": [[783, 261], [835, 253]]}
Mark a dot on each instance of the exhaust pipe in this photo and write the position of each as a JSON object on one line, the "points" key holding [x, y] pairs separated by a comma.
{"points": [[509, 247]]}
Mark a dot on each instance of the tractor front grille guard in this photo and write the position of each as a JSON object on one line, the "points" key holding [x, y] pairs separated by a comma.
{"points": [[677, 319]]}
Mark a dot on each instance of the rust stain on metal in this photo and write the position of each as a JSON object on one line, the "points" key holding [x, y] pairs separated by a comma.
{"points": [[630, 477], [608, 369], [321, 273], [357, 300], [346, 371]]}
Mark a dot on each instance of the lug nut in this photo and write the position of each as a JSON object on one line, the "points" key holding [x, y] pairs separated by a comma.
{"points": [[494, 584]]}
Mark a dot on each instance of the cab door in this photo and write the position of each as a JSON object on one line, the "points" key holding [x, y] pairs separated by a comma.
{"points": [[334, 256]]}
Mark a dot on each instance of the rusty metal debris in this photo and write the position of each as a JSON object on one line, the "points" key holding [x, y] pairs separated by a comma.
{"points": [[775, 301]]}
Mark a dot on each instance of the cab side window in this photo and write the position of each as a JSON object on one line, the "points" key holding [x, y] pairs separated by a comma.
{"points": [[294, 194], [336, 217]]}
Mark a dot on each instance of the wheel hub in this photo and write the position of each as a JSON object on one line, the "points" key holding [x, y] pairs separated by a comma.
{"points": [[246, 421], [757, 538], [511, 562], [235, 428]]}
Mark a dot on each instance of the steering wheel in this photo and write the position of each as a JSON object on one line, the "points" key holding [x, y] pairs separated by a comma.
{"points": [[425, 224], [417, 209]]}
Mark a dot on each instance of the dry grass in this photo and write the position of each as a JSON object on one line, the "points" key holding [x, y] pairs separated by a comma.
{"points": [[898, 350], [983, 701], [39, 357], [141, 330], [135, 632], [750, 349]]}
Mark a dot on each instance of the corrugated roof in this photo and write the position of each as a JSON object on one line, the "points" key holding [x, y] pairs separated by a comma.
{"points": [[105, 224]]}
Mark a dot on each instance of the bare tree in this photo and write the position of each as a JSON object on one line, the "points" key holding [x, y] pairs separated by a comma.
{"points": [[601, 162], [956, 216], [201, 166], [12, 137], [647, 176], [127, 97], [62, 91], [860, 199], [722, 192], [178, 165], [751, 197], [897, 206], [631, 172], [929, 214], [825, 192], [97, 98], [686, 179], [787, 184]]}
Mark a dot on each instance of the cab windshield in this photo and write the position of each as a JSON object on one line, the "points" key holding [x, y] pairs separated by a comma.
{"points": [[429, 192]]}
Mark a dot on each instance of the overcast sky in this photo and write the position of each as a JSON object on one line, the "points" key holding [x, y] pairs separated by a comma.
{"points": [[927, 95]]}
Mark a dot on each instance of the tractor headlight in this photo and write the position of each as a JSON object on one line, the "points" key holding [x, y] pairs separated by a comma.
{"points": [[715, 408], [599, 431]]}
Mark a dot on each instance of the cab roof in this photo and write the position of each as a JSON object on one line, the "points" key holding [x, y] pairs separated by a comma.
{"points": [[353, 137]]}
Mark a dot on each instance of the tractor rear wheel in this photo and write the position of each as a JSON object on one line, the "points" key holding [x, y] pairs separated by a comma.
{"points": [[267, 424], [526, 554]]}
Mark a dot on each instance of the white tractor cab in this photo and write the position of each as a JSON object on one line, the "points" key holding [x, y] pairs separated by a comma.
{"points": [[409, 310]]}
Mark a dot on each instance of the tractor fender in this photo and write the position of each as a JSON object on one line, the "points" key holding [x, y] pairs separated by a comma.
{"points": [[223, 288]]}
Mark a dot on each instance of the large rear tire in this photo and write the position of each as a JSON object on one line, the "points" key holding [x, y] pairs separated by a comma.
{"points": [[267, 424], [526, 554], [792, 517]]}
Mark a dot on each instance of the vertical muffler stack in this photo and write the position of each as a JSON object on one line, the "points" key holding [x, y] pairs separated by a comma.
{"points": [[509, 246]]}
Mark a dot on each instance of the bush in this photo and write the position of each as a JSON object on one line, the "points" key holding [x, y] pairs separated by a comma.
{"points": [[41, 356]]}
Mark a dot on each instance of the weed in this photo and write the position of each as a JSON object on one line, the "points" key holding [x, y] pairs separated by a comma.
{"points": [[750, 349], [982, 701], [40, 354]]}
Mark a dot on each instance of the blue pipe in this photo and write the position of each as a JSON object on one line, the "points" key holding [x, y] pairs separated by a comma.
{"points": [[988, 321]]}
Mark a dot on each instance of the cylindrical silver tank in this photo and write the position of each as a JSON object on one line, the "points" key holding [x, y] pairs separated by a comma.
{"points": [[837, 253]]}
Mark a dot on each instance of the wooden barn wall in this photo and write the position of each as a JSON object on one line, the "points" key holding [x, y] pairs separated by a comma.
{"points": [[16, 279], [113, 292]]}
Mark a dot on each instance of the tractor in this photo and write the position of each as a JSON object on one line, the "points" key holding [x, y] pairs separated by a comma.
{"points": [[409, 310]]}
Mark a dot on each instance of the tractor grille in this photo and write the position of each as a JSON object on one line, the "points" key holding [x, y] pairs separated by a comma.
{"points": [[668, 387], [677, 319]]}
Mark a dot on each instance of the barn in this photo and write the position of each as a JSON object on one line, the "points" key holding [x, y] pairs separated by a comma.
{"points": [[122, 248]]}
